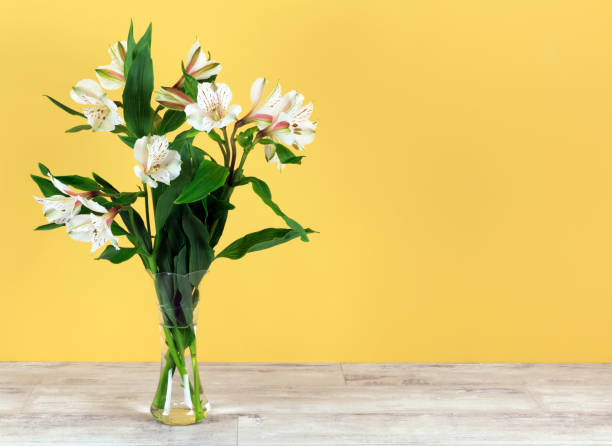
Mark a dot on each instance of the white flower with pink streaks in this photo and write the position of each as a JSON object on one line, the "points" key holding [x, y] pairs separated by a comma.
{"points": [[213, 109], [93, 228], [59, 209], [155, 161]]}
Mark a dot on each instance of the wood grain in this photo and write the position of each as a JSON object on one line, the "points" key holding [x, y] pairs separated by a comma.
{"points": [[314, 404]]}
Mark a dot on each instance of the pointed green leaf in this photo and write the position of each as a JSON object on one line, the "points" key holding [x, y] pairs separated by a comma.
{"points": [[65, 107], [120, 129], [286, 156], [128, 140], [105, 185], [190, 86], [138, 89], [124, 198], [129, 56], [82, 183], [215, 136], [47, 227], [257, 241], [209, 177], [200, 253], [46, 187], [263, 191], [117, 255], [43, 169], [116, 229], [78, 128], [172, 120], [165, 202]]}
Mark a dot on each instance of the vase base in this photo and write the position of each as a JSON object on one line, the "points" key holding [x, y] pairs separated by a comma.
{"points": [[178, 416]]}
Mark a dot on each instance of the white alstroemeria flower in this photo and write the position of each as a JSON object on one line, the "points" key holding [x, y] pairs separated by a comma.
{"points": [[59, 209], [173, 98], [272, 156], [290, 122], [93, 228], [262, 115], [156, 162], [198, 65], [102, 114], [111, 76], [213, 108]]}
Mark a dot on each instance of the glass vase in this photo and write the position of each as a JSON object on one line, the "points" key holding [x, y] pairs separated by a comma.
{"points": [[179, 398]]}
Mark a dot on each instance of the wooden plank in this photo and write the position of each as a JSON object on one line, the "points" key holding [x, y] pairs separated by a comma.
{"points": [[314, 404], [358, 400], [452, 429], [409, 374], [123, 428]]}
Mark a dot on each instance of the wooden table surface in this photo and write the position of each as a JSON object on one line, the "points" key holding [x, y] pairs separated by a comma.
{"points": [[313, 404]]}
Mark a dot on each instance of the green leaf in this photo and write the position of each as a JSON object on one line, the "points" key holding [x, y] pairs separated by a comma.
{"points": [[136, 227], [65, 107], [286, 156], [209, 177], [48, 227], [138, 89], [245, 139], [172, 120], [215, 136], [78, 128], [257, 241], [263, 191], [125, 198], [120, 129], [200, 253], [165, 202], [83, 183], [105, 185], [116, 229], [128, 140], [187, 134], [129, 55], [191, 84], [46, 187], [117, 256], [43, 169]]}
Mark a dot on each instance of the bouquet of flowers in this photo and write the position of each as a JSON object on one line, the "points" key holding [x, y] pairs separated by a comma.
{"points": [[186, 190]]}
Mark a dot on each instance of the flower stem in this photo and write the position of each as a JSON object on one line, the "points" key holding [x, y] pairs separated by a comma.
{"points": [[160, 393], [197, 403], [146, 196]]}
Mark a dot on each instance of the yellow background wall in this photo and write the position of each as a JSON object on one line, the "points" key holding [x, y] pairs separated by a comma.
{"points": [[460, 180]]}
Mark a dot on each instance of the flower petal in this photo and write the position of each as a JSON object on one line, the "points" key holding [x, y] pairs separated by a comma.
{"points": [[207, 70], [87, 92], [207, 97], [197, 118], [110, 77], [257, 90], [99, 118], [61, 186], [193, 56], [92, 205], [141, 151], [224, 95]]}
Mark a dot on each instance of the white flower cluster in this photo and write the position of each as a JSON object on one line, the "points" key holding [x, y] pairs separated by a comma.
{"points": [[280, 120], [63, 209]]}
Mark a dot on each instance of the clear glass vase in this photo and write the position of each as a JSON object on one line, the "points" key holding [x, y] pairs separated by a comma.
{"points": [[179, 398]]}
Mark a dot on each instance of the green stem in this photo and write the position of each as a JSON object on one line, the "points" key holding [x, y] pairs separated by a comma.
{"points": [[180, 365], [146, 196], [197, 403], [160, 394]]}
